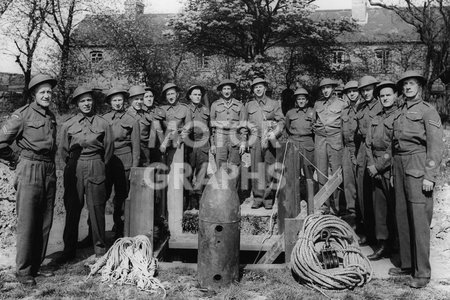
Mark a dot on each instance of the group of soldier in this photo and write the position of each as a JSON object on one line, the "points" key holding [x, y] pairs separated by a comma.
{"points": [[383, 136]]}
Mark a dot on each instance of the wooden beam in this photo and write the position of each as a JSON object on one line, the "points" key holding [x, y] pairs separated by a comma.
{"points": [[193, 266], [291, 230], [247, 243], [175, 192], [325, 192]]}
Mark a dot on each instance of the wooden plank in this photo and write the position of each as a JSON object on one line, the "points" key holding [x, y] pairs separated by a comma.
{"points": [[247, 243], [292, 228], [246, 267], [141, 204], [175, 192], [159, 253], [326, 191], [289, 194]]}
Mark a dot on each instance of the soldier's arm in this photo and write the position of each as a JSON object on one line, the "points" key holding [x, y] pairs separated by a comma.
{"points": [[188, 124], [10, 130], [135, 143], [64, 144], [368, 143], [243, 124], [108, 143], [279, 117], [435, 144], [212, 125]]}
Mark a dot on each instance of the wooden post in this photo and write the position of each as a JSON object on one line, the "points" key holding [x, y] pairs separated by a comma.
{"points": [[141, 203], [292, 228], [325, 192], [175, 192], [289, 195]]}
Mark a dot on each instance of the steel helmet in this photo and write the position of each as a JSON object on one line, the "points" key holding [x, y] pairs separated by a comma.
{"points": [[301, 91], [41, 78], [353, 84], [411, 74], [226, 82], [79, 91], [114, 91], [257, 81], [136, 90], [383, 84], [366, 81]]}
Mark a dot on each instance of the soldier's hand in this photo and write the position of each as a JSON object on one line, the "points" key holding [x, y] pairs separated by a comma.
{"points": [[391, 180], [242, 149], [271, 136], [162, 148], [427, 185], [213, 149], [372, 170]]}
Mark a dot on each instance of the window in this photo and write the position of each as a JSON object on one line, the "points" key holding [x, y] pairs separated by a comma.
{"points": [[339, 57], [203, 61], [383, 59], [96, 56]]}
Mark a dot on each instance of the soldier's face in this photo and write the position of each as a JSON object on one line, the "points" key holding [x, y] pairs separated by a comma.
{"points": [[411, 87], [85, 103], [259, 90], [226, 91], [149, 98], [136, 102], [352, 94], [117, 102], [327, 90], [171, 96], [43, 94], [387, 96], [196, 96], [301, 101], [367, 92]]}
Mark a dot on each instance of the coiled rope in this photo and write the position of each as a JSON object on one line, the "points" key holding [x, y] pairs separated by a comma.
{"points": [[130, 261], [354, 268]]}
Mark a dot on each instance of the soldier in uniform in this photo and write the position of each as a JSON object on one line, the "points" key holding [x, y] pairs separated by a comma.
{"points": [[152, 124], [33, 127], [265, 124], [87, 145], [197, 145], [126, 137], [417, 147], [299, 121], [137, 111], [328, 137], [349, 151], [226, 113], [367, 109], [379, 157]]}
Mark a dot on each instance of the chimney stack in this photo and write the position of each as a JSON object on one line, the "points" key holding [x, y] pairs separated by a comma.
{"points": [[134, 8], [359, 11]]}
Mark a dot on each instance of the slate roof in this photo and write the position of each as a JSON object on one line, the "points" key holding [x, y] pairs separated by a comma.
{"points": [[383, 26]]}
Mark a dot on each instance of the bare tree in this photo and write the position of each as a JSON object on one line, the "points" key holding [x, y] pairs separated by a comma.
{"points": [[4, 4], [27, 29], [431, 19]]}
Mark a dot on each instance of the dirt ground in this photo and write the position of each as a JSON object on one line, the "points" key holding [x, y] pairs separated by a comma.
{"points": [[70, 280]]}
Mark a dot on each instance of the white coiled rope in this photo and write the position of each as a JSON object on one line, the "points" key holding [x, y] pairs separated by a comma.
{"points": [[130, 261], [354, 268]]}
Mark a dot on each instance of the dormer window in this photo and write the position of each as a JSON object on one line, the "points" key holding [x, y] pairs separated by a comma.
{"points": [[96, 56]]}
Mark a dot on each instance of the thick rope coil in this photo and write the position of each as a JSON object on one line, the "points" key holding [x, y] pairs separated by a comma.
{"points": [[130, 261], [354, 267]]}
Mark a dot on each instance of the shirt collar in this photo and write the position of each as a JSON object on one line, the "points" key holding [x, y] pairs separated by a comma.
{"points": [[82, 117], [411, 103], [41, 110]]}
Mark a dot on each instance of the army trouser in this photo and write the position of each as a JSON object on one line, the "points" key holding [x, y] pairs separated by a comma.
{"points": [[365, 201], [414, 211], [89, 181], [36, 189], [145, 158], [306, 160], [118, 174], [383, 206], [262, 178], [197, 158], [349, 177], [327, 157], [227, 153]]}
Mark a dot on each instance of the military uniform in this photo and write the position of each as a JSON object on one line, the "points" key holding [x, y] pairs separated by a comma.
{"points": [[34, 129], [328, 139], [349, 126], [299, 122], [418, 147], [365, 113], [126, 135], [225, 118], [87, 144], [379, 154], [262, 116], [197, 151]]}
